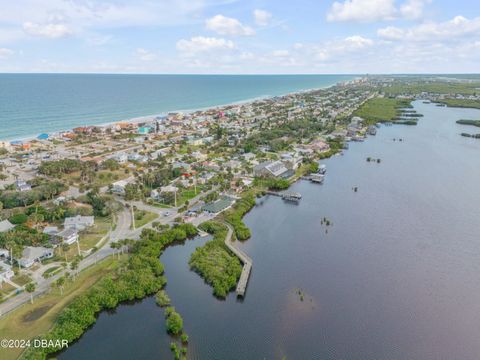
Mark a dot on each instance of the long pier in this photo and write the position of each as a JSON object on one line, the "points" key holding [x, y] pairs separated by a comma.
{"points": [[294, 196], [247, 263]]}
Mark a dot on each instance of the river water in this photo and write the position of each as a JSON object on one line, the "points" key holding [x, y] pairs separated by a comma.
{"points": [[397, 275]]}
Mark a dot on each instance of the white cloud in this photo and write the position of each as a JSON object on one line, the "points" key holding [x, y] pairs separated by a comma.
{"points": [[89, 16], [281, 53], [145, 55], [340, 49], [457, 28], [246, 55], [262, 17], [390, 33], [413, 9], [358, 42], [375, 10], [5, 53], [228, 26], [362, 10], [52, 31], [201, 44]]}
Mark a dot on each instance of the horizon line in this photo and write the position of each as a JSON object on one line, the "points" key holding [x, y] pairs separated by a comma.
{"points": [[236, 74]]}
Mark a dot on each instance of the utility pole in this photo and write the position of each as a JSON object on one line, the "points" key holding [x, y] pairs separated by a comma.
{"points": [[133, 217]]}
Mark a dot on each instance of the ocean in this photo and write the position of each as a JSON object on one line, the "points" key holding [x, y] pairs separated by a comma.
{"points": [[31, 104]]}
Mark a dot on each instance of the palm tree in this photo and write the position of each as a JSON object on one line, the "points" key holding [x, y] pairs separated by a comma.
{"points": [[65, 248], [115, 246], [74, 266], [30, 288], [59, 283]]}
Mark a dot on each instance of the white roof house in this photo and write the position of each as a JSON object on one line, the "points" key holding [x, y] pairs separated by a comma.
{"points": [[68, 236], [6, 225], [31, 254], [270, 168], [168, 188], [79, 222], [6, 272], [118, 187]]}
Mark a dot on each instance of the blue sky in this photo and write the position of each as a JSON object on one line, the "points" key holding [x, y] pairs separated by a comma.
{"points": [[248, 36]]}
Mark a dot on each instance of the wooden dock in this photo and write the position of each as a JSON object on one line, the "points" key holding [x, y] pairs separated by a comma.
{"points": [[247, 263], [315, 178], [286, 195]]}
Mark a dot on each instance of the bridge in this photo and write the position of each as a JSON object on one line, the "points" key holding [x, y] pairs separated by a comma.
{"points": [[247, 262]]}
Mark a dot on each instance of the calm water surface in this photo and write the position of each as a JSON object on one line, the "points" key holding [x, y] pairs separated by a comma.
{"points": [[396, 277], [31, 104]]}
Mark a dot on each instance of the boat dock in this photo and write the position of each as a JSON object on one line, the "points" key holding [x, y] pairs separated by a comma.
{"points": [[289, 196], [315, 178], [247, 263]]}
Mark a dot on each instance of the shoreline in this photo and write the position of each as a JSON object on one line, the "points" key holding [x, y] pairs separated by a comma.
{"points": [[150, 117]]}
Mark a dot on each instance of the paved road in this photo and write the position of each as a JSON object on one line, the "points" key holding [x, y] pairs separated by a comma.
{"points": [[122, 231]]}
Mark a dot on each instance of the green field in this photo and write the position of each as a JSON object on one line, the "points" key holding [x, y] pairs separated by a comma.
{"points": [[91, 236], [437, 87], [34, 319], [381, 109], [462, 103], [143, 217]]}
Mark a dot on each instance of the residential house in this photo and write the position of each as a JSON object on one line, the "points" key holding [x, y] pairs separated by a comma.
{"points": [[22, 185], [32, 254], [6, 272], [291, 161], [121, 158], [233, 164], [144, 130], [68, 236], [249, 156], [5, 226], [79, 222], [118, 187], [137, 157], [276, 169], [156, 195]]}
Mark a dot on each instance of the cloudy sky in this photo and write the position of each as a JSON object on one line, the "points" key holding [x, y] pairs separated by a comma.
{"points": [[247, 36]]}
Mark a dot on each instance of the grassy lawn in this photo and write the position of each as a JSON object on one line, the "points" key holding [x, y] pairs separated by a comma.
{"points": [[380, 109], [102, 177], [51, 271], [91, 236], [188, 194], [21, 279], [35, 319], [160, 205], [105, 177], [6, 289], [71, 253], [143, 217]]}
